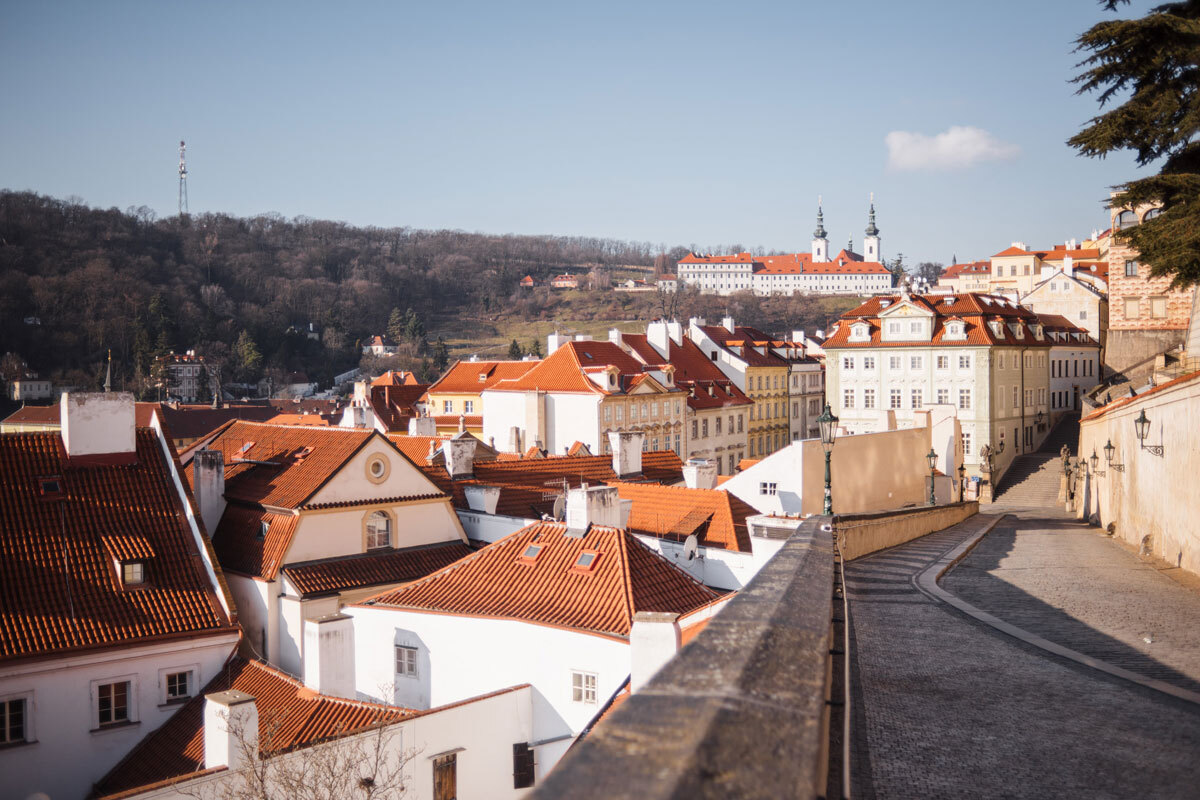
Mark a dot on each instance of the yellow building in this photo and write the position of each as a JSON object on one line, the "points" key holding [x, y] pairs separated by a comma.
{"points": [[457, 397]]}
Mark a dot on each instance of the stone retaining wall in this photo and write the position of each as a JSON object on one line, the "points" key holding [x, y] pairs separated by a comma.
{"points": [[863, 534]]}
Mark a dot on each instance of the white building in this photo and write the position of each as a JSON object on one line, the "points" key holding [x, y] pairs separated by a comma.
{"points": [[814, 272], [306, 518], [562, 622], [893, 357], [102, 639], [1074, 364]]}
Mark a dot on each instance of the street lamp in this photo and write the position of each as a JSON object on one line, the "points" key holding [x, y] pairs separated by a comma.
{"points": [[962, 482], [1095, 462], [1141, 426], [932, 458], [827, 423], [1109, 450]]}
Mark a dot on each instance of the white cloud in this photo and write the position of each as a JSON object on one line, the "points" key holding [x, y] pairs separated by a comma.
{"points": [[956, 148]]}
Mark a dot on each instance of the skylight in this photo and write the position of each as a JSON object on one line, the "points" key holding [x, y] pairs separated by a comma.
{"points": [[585, 561], [531, 553]]}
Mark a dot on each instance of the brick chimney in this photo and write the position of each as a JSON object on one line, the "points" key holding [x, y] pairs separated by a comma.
{"points": [[422, 426], [654, 640], [626, 452], [208, 469], [699, 473], [329, 655], [98, 428], [230, 730], [460, 456]]}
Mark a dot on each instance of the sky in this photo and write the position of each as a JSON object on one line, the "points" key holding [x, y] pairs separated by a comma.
{"points": [[702, 124]]}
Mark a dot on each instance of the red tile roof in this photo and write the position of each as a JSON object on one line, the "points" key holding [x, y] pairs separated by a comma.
{"points": [[373, 569], [194, 421], [706, 385], [969, 268], [740, 258], [563, 370], [741, 342], [975, 309], [471, 377], [626, 577], [1124, 401], [59, 590], [396, 378], [845, 262], [718, 519], [417, 447], [395, 404], [302, 419], [36, 415], [281, 479], [242, 548], [289, 716]]}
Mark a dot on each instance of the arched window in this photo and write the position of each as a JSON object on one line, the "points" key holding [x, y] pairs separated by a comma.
{"points": [[1151, 214], [1126, 219], [379, 531]]}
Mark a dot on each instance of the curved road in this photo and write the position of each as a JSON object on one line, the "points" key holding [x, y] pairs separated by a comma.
{"points": [[947, 707]]}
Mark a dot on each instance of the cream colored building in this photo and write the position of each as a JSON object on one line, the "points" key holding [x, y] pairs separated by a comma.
{"points": [[1062, 294], [894, 357]]}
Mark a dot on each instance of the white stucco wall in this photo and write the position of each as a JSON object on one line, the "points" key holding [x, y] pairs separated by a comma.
{"points": [[328, 534], [351, 481], [572, 418], [69, 752], [460, 657], [488, 527]]}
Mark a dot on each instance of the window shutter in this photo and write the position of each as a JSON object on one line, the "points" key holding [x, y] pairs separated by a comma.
{"points": [[522, 766]]}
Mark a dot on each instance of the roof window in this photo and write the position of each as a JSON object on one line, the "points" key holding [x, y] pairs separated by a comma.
{"points": [[133, 573], [263, 527], [586, 561], [245, 448], [50, 487], [884, 303], [531, 553]]}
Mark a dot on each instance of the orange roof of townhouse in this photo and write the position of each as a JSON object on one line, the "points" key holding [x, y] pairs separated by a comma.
{"points": [[333, 575], [290, 716], [567, 368], [548, 578], [742, 341], [471, 377], [967, 268], [396, 403], [716, 518], [35, 415], [417, 448], [739, 258], [319, 420], [707, 386], [974, 310], [63, 526], [396, 378], [1013, 251], [1124, 401]]}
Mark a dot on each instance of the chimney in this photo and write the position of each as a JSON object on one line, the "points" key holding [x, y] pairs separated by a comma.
{"points": [[653, 641], [728, 323], [460, 456], [329, 655], [700, 473], [514, 440], [98, 428], [592, 505], [422, 426], [658, 335], [208, 468], [230, 730], [555, 341], [360, 392], [482, 498], [1068, 264], [675, 331], [615, 337], [626, 452]]}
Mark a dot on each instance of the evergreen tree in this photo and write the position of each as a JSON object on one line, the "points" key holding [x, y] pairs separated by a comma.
{"points": [[1154, 64], [414, 329], [395, 326], [535, 347], [247, 357], [896, 267], [441, 355], [514, 351]]}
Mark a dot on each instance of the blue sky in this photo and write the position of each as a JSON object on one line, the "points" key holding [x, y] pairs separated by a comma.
{"points": [[678, 123]]}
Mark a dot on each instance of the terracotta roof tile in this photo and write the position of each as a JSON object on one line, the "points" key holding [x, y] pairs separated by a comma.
{"points": [[373, 569], [35, 415], [241, 546], [281, 479], [718, 519], [289, 716], [416, 447], [396, 378], [469, 377], [563, 370], [626, 577], [59, 589]]}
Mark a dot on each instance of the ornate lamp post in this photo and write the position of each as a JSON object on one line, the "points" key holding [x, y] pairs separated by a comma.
{"points": [[827, 423], [932, 459], [1109, 450], [1094, 460], [962, 482]]}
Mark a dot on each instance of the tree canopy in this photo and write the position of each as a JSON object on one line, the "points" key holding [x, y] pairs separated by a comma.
{"points": [[1147, 73]]}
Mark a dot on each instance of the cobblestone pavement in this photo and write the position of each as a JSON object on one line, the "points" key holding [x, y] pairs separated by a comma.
{"points": [[945, 707], [1068, 582]]}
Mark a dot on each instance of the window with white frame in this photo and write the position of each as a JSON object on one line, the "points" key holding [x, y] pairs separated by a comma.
{"points": [[847, 362], [768, 488], [406, 661], [112, 703], [447, 406], [14, 720], [583, 687], [917, 398], [1000, 361], [1029, 398], [379, 531], [177, 685], [868, 363], [847, 398], [966, 443], [1016, 397], [133, 573], [943, 396], [868, 398], [1131, 269], [964, 398], [894, 398], [915, 362], [468, 406], [893, 362], [943, 362]]}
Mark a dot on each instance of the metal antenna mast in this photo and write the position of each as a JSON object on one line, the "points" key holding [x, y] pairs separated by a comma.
{"points": [[183, 201]]}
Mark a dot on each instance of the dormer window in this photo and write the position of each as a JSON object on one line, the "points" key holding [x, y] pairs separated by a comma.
{"points": [[860, 332], [50, 487], [884, 303], [263, 527], [951, 300], [955, 330], [997, 328], [483, 377], [133, 573]]}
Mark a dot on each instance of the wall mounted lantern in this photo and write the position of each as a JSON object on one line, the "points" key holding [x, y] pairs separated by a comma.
{"points": [[1109, 451], [1141, 426]]}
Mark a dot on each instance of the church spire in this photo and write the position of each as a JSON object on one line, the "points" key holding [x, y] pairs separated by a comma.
{"points": [[871, 242], [819, 233], [871, 229], [850, 244], [820, 244]]}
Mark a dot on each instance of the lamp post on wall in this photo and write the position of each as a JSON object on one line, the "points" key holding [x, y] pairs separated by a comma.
{"points": [[962, 482], [1094, 460], [1109, 450], [1141, 426], [827, 423], [932, 458]]}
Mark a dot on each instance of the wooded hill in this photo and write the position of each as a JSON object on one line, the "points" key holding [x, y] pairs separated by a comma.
{"points": [[77, 281]]}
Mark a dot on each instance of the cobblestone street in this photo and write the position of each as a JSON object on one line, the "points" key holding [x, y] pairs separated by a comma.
{"points": [[947, 707]]}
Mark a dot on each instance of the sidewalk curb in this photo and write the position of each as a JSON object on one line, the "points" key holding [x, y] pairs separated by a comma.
{"points": [[926, 582]]}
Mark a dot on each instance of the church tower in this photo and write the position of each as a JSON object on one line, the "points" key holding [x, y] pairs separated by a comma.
{"points": [[871, 242], [820, 244]]}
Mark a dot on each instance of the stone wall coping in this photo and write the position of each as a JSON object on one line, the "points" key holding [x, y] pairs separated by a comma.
{"points": [[901, 512]]}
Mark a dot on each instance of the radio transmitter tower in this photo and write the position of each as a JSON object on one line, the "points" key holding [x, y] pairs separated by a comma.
{"points": [[183, 203]]}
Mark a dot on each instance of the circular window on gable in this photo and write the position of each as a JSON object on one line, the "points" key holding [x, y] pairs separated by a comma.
{"points": [[377, 469]]}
